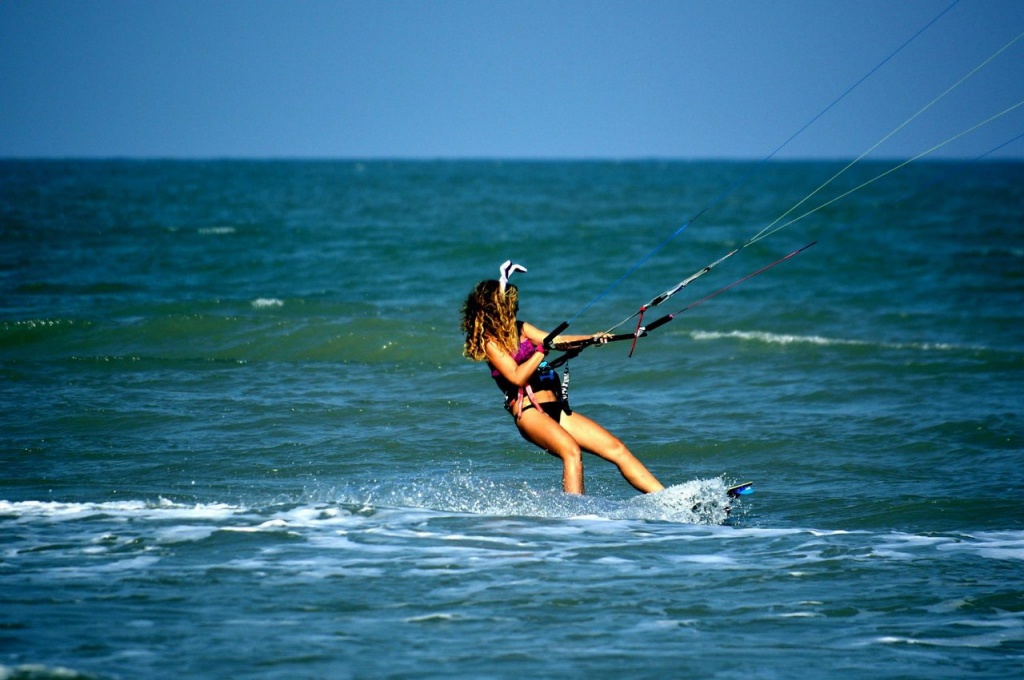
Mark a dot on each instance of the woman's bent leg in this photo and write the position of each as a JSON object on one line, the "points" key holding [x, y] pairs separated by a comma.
{"points": [[593, 438], [538, 428]]}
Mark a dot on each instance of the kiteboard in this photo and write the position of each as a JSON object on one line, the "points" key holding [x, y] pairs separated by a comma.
{"points": [[744, 489]]}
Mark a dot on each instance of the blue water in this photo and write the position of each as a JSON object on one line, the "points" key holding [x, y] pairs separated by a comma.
{"points": [[238, 437]]}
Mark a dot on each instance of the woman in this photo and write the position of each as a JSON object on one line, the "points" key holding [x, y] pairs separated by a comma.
{"points": [[514, 352]]}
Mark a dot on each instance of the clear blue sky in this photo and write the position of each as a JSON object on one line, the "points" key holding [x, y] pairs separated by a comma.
{"points": [[501, 78]]}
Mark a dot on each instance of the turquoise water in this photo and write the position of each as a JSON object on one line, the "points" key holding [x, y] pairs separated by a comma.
{"points": [[239, 439]]}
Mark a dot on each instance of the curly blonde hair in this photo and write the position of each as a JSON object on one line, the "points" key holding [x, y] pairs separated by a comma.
{"points": [[489, 314]]}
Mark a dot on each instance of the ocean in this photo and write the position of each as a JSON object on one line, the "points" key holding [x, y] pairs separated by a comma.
{"points": [[239, 439]]}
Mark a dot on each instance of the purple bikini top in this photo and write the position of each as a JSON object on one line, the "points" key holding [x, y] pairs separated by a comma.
{"points": [[526, 350]]}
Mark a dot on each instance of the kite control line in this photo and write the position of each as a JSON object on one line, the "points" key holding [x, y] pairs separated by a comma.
{"points": [[643, 330], [572, 349], [742, 180]]}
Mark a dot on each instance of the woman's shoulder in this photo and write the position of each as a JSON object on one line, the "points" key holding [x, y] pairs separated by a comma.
{"points": [[494, 352]]}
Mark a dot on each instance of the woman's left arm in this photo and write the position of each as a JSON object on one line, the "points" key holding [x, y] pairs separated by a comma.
{"points": [[537, 336]]}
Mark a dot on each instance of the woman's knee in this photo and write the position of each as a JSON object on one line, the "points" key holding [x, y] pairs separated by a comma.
{"points": [[617, 452], [570, 453]]}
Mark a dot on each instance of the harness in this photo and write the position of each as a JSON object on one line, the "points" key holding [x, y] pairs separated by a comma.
{"points": [[545, 378]]}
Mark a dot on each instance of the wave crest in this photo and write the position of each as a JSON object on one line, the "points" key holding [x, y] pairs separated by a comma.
{"points": [[788, 339]]}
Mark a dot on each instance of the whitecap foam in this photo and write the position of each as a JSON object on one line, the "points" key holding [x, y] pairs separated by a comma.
{"points": [[1000, 545], [990, 640], [269, 525], [41, 672], [183, 534], [699, 501], [163, 509], [772, 338], [788, 339], [266, 303], [715, 560], [139, 563]]}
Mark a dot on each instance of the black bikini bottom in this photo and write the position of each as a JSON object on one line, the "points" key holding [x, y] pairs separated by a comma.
{"points": [[552, 408]]}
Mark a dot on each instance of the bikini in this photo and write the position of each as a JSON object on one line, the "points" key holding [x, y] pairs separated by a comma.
{"points": [[543, 379]]}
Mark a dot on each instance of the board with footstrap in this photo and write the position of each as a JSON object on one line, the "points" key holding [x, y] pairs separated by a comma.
{"points": [[744, 489]]}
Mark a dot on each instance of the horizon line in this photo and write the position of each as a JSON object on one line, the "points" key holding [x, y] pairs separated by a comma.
{"points": [[488, 159]]}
